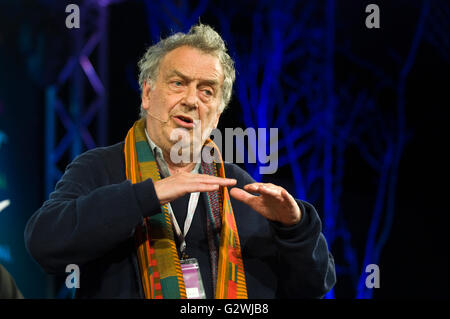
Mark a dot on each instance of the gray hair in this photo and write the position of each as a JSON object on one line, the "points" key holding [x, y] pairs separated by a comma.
{"points": [[201, 37]]}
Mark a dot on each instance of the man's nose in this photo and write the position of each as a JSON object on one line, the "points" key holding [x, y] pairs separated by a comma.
{"points": [[191, 98]]}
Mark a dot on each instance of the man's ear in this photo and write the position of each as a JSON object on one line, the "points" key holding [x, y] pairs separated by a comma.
{"points": [[145, 94]]}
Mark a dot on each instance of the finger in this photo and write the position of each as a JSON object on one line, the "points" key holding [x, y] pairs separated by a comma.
{"points": [[222, 182], [286, 195], [252, 187], [273, 187], [199, 187], [264, 189], [258, 185], [269, 190], [254, 202], [242, 195], [203, 178]]}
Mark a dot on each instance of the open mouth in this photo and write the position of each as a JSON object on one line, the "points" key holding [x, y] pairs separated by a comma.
{"points": [[184, 121]]}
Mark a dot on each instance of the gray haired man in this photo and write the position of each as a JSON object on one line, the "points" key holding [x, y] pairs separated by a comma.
{"points": [[141, 225]]}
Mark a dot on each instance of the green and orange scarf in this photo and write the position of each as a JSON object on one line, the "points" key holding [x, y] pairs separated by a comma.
{"points": [[157, 254]]}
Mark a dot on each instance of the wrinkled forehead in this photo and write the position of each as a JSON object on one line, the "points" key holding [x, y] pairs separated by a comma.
{"points": [[192, 63]]}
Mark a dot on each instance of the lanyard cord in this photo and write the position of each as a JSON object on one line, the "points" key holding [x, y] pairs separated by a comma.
{"points": [[193, 201]]}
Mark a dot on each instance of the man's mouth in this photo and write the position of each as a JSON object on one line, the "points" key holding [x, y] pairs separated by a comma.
{"points": [[184, 121]]}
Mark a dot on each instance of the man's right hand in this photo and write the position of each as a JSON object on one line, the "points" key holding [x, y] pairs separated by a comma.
{"points": [[179, 184]]}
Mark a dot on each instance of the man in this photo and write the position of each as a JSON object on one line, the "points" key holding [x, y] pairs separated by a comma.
{"points": [[139, 223]]}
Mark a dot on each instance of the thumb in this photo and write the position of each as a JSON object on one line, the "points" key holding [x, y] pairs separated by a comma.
{"points": [[242, 195]]}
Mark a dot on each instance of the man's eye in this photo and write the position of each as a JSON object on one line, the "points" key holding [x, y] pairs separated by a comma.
{"points": [[208, 92], [176, 83]]}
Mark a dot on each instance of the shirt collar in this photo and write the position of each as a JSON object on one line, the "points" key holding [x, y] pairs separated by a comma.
{"points": [[162, 164]]}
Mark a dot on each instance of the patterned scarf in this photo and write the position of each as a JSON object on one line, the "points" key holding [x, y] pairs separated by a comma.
{"points": [[158, 260]]}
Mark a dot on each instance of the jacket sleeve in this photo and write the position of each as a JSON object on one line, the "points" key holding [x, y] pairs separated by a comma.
{"points": [[305, 267], [86, 216]]}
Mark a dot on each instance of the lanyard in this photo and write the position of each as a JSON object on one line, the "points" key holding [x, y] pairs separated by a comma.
{"points": [[193, 201]]}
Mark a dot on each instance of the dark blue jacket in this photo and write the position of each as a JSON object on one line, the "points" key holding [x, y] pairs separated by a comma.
{"points": [[89, 221]]}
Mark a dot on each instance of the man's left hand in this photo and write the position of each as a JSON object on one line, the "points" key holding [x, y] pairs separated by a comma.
{"points": [[273, 202]]}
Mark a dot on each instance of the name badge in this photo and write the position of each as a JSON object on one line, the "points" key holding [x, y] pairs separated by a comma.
{"points": [[192, 279]]}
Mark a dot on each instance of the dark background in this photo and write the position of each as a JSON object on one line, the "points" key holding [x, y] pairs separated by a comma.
{"points": [[35, 45]]}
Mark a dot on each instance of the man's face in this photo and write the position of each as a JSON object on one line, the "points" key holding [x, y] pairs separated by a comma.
{"points": [[188, 87]]}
